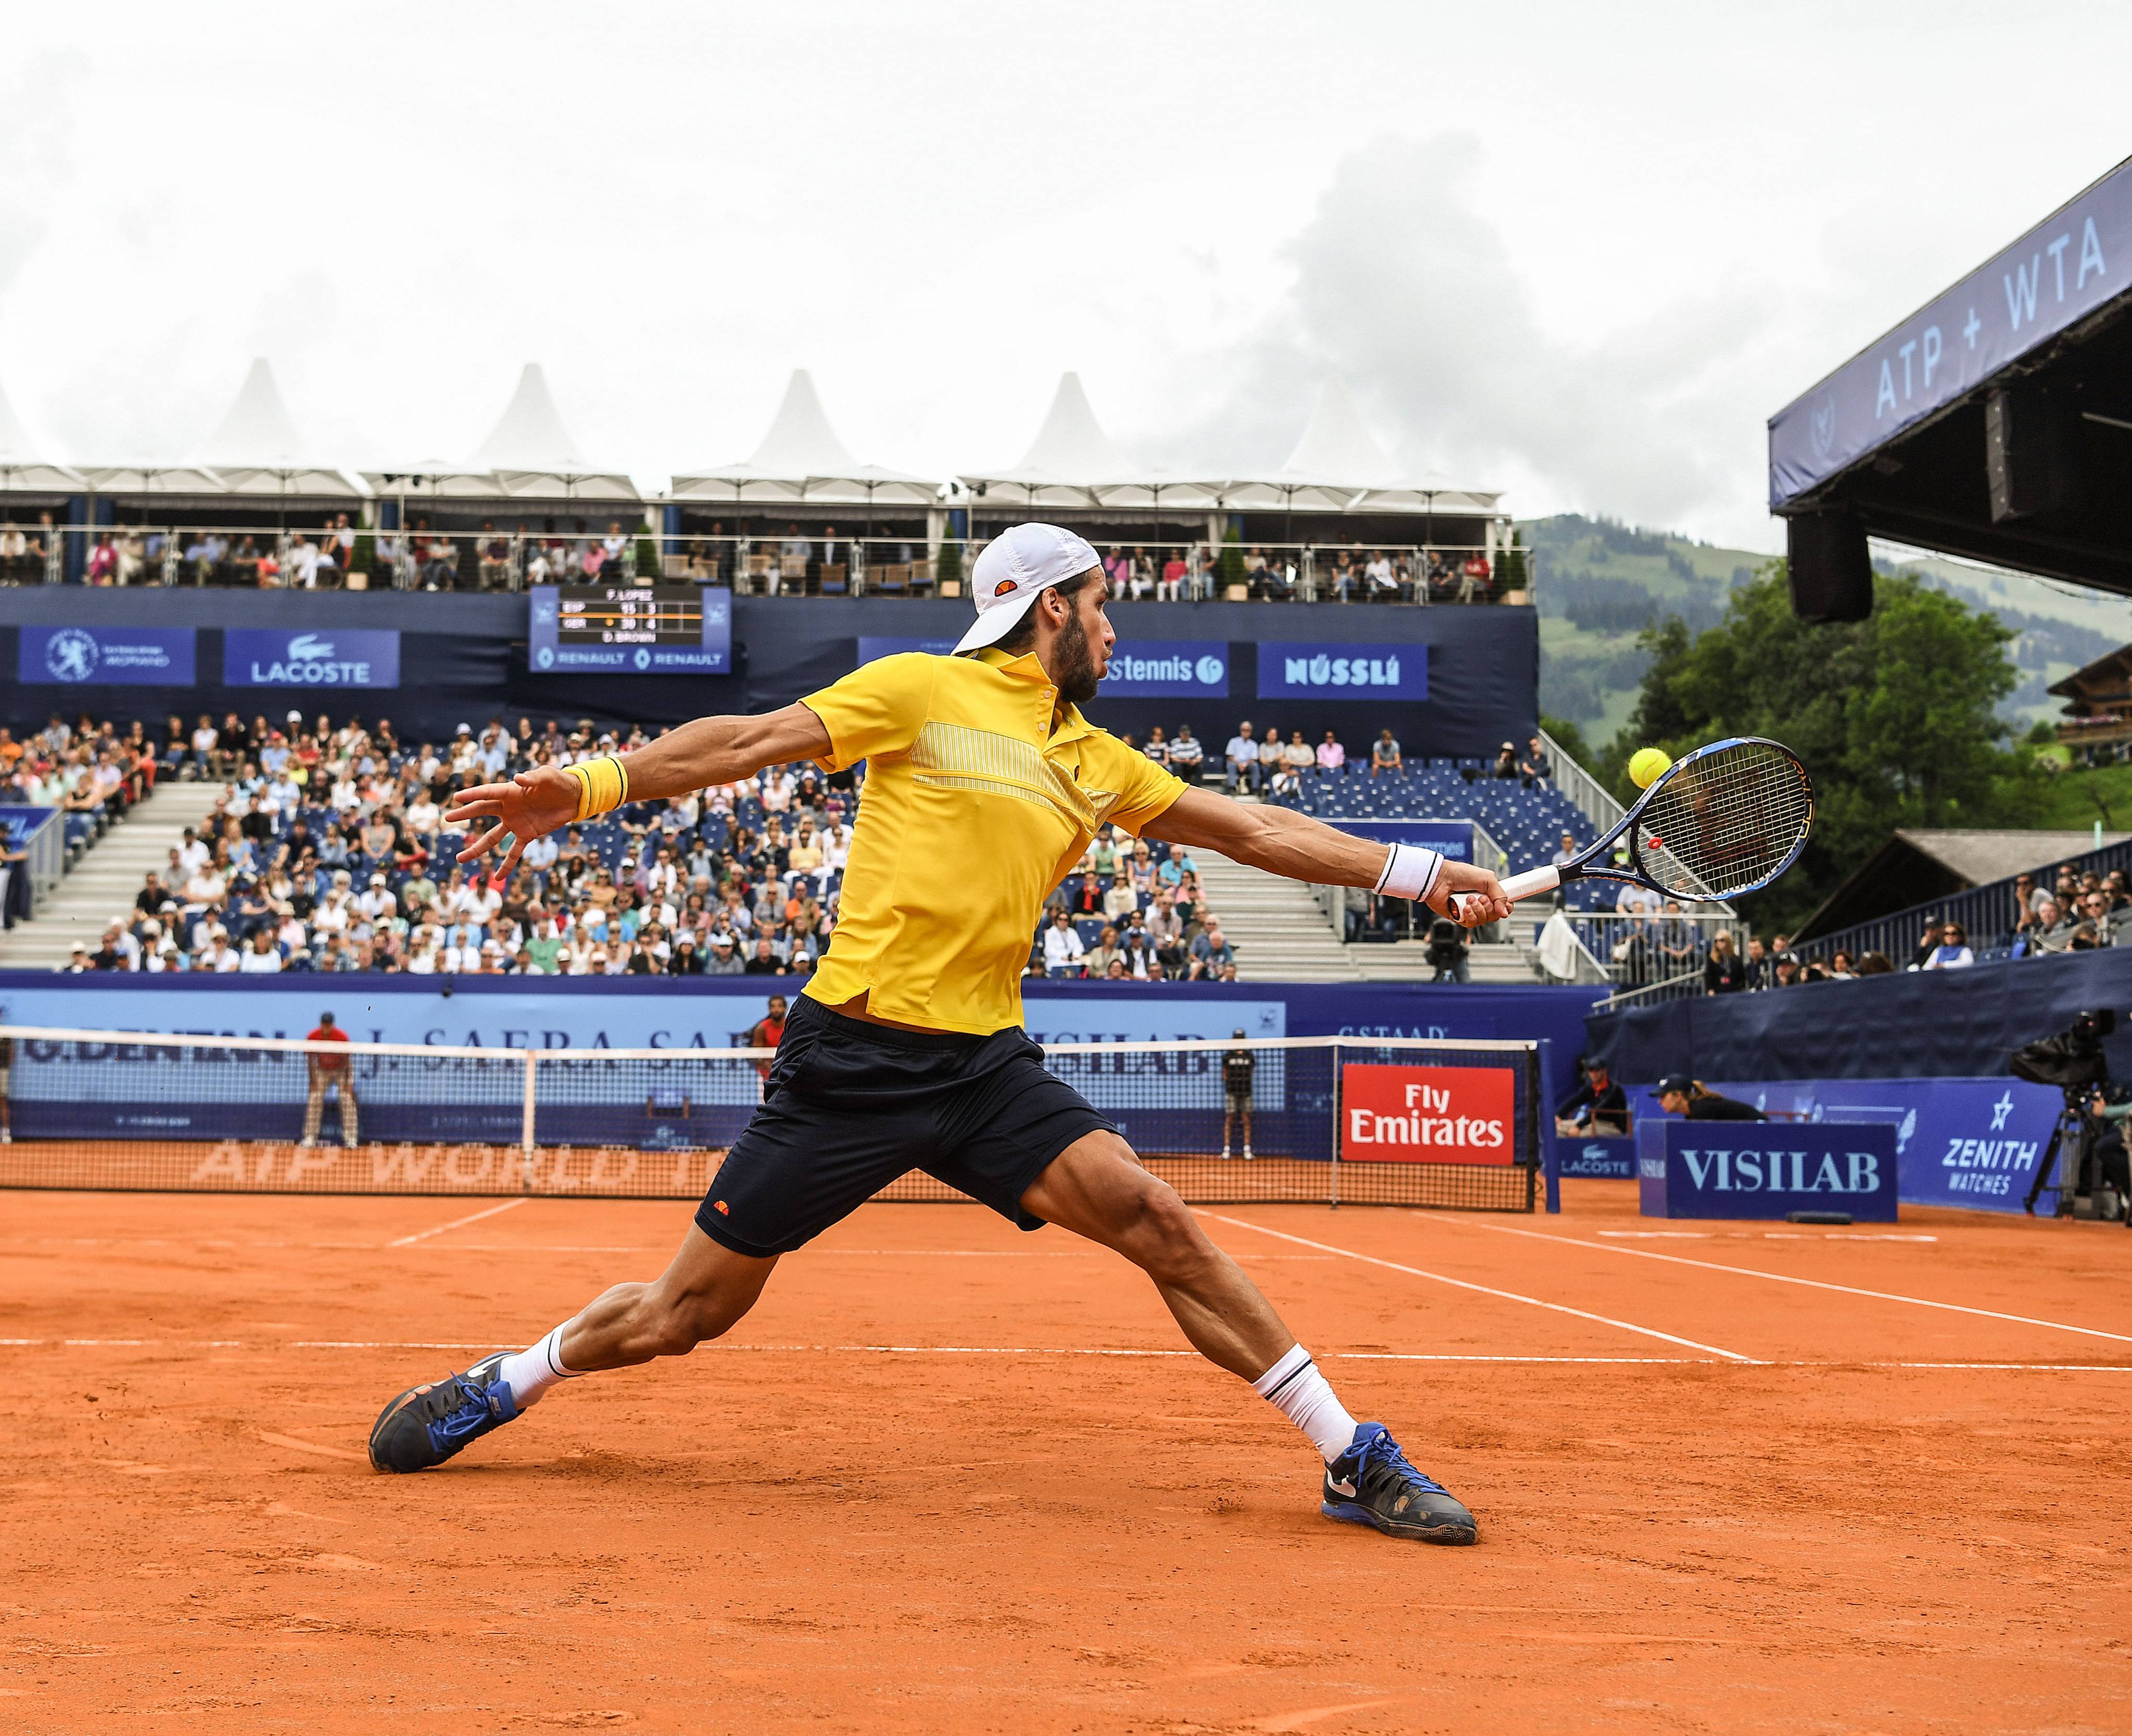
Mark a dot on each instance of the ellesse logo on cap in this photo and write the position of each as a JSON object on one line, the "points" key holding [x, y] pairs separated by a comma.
{"points": [[1002, 588]]}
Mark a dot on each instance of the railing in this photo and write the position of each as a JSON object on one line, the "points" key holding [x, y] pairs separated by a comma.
{"points": [[1683, 987], [1591, 797], [1984, 912], [41, 834], [1638, 952], [512, 556]]}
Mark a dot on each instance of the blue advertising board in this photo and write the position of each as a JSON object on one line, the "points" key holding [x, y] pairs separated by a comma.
{"points": [[1613, 1159], [1310, 671], [105, 657], [1958, 1142], [1766, 1169], [646, 645], [1451, 838], [336, 657], [2056, 275], [1141, 669]]}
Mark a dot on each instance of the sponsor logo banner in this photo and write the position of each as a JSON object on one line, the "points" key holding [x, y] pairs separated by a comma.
{"points": [[1451, 838], [366, 657], [1426, 1114], [1343, 671], [1958, 1142], [105, 657], [1766, 1169], [1141, 669], [547, 654], [1608, 1160]]}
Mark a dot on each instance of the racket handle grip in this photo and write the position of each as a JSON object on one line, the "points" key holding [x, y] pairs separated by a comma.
{"points": [[1517, 886]]}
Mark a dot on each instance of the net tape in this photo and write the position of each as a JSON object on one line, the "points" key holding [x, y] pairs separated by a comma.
{"points": [[1727, 823], [119, 1109]]}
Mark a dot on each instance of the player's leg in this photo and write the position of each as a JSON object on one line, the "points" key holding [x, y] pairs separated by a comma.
{"points": [[1097, 1189], [348, 1114], [1228, 1125], [703, 1292], [314, 1107], [1244, 1109]]}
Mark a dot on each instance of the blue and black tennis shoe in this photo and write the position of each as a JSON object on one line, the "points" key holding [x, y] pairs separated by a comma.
{"points": [[427, 1424], [1372, 1484]]}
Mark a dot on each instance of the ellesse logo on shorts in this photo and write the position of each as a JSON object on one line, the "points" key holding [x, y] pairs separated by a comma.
{"points": [[720, 1207]]}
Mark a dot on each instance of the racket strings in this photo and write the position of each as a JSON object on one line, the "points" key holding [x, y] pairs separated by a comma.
{"points": [[1727, 823]]}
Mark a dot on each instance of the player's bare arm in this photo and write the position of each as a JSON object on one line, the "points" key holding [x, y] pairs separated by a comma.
{"points": [[1281, 841], [709, 750]]}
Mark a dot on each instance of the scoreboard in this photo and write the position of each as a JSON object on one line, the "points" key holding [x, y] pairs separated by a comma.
{"points": [[647, 630]]}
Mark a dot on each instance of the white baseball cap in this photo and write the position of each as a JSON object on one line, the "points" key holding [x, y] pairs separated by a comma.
{"points": [[1016, 566]]}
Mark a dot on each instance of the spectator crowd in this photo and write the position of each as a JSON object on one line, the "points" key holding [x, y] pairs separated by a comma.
{"points": [[328, 849]]}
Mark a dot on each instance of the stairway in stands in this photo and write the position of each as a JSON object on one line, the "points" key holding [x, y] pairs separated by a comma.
{"points": [[104, 881], [1282, 934]]}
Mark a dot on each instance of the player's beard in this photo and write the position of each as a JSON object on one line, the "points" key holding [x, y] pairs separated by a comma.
{"points": [[1077, 664]]}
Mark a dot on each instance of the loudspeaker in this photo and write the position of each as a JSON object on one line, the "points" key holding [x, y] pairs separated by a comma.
{"points": [[1832, 574], [2030, 454]]}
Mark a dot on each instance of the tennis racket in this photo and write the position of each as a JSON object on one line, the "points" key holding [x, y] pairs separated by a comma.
{"points": [[1725, 820]]}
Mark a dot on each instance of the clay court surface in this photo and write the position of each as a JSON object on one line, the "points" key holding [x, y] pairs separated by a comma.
{"points": [[949, 1477]]}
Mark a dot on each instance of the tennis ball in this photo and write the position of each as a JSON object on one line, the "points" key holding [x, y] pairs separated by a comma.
{"points": [[1647, 765]]}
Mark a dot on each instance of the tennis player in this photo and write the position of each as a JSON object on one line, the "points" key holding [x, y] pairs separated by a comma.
{"points": [[905, 1050]]}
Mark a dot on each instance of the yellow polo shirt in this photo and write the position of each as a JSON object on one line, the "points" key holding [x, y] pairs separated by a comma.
{"points": [[975, 808]]}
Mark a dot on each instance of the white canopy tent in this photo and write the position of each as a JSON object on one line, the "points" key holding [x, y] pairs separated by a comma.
{"points": [[27, 466], [528, 455], [1074, 465], [1339, 466], [255, 450], [802, 462]]}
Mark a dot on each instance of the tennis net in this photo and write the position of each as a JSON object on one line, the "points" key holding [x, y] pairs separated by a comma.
{"points": [[1332, 1120]]}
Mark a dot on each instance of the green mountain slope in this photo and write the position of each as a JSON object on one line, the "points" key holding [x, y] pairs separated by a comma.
{"points": [[1597, 582]]}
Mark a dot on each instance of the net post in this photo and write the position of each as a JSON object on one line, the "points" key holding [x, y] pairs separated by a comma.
{"points": [[1334, 1204], [1550, 1154], [525, 1125]]}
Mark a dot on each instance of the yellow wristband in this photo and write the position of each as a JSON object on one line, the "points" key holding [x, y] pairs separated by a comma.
{"points": [[602, 785]]}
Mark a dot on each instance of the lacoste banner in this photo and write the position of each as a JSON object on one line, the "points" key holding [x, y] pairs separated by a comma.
{"points": [[105, 657], [1426, 1114], [1766, 1169], [331, 657]]}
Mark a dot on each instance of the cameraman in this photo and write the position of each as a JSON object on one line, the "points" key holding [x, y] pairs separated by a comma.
{"points": [[1446, 951]]}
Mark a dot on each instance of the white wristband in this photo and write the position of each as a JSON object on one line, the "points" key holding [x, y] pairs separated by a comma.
{"points": [[1410, 872]]}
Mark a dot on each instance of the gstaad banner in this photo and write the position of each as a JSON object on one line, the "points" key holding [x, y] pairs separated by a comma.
{"points": [[1314, 671], [105, 657], [366, 657]]}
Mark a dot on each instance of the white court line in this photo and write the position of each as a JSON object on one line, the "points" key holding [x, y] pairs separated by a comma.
{"points": [[894, 1350], [1483, 1289], [1785, 1277], [472, 1217], [1748, 1235]]}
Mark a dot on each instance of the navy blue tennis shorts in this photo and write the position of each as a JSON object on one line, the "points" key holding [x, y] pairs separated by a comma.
{"points": [[850, 1107]]}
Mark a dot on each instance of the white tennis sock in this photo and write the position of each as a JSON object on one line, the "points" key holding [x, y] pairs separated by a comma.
{"points": [[532, 1371], [1295, 1389]]}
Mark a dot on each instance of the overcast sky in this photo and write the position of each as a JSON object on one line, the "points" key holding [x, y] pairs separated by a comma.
{"points": [[1578, 252]]}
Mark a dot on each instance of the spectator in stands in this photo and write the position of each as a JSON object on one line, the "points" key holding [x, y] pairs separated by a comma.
{"points": [[263, 957], [1298, 756], [1211, 952], [1171, 586], [1331, 756], [1839, 967], [1098, 958], [1874, 964], [1158, 746], [1062, 948], [1761, 974], [1505, 764], [1241, 758], [1165, 930], [1952, 952], [1385, 761], [1534, 768], [1724, 972], [1175, 867], [1186, 756]]}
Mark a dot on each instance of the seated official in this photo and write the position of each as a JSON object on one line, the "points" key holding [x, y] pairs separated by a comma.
{"points": [[1679, 1095], [1597, 1108]]}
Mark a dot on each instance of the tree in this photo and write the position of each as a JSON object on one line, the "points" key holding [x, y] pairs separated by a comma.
{"points": [[1894, 716], [1570, 739], [1229, 563], [948, 570], [1510, 569]]}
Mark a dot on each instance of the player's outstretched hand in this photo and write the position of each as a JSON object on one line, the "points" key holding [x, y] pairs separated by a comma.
{"points": [[1468, 895], [530, 803]]}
